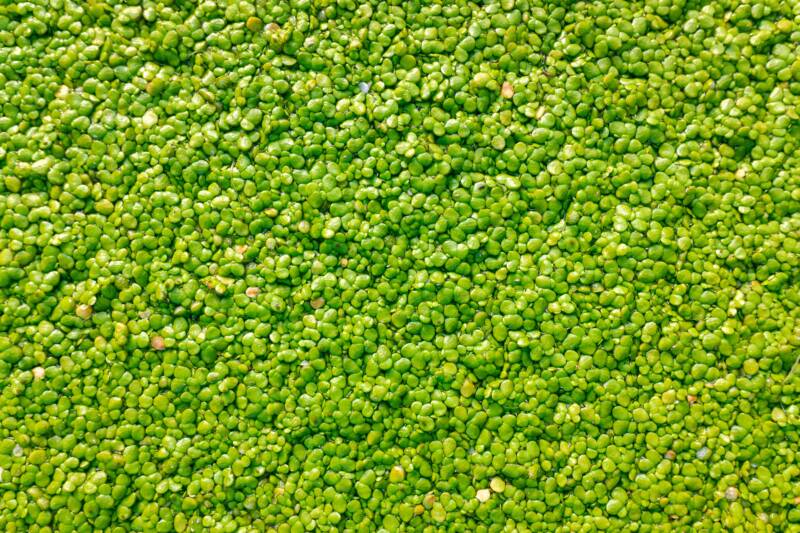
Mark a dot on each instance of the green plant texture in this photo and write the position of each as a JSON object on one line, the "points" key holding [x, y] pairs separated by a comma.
{"points": [[399, 266]]}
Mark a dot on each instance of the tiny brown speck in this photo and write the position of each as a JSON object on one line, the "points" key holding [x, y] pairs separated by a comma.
{"points": [[429, 500], [157, 343], [254, 24], [316, 303]]}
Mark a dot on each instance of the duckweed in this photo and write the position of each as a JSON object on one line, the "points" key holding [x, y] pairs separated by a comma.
{"points": [[297, 265]]}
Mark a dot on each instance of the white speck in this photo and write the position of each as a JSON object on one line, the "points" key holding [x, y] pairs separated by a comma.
{"points": [[62, 92], [731, 494], [364, 87], [38, 372], [17, 450], [703, 452], [483, 495], [149, 119]]}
